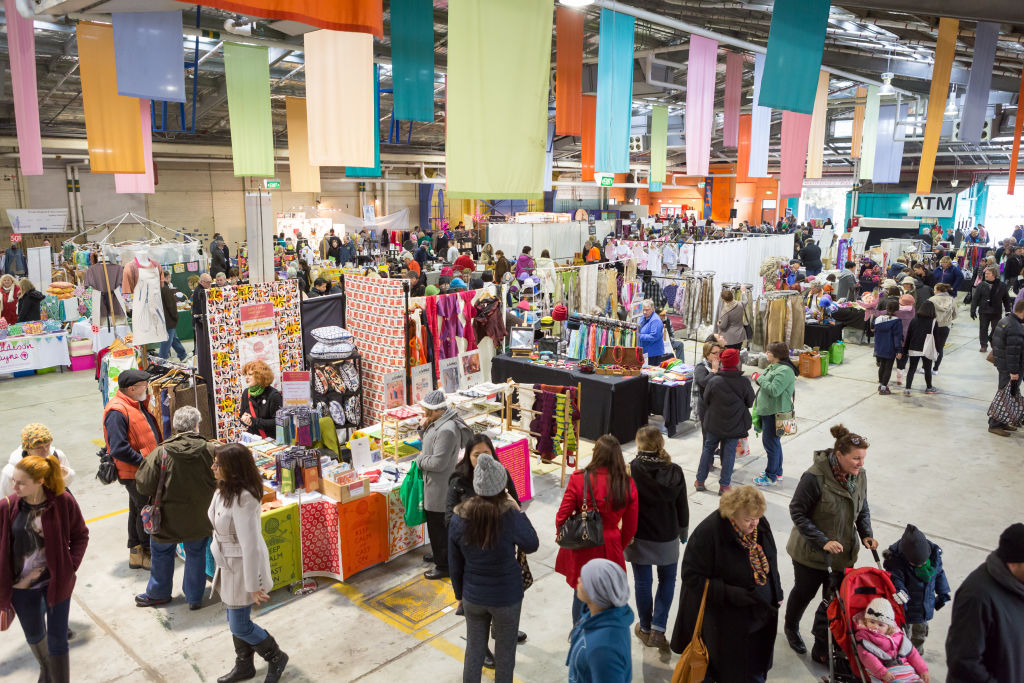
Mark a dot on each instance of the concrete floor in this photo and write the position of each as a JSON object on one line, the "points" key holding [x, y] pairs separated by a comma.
{"points": [[923, 468]]}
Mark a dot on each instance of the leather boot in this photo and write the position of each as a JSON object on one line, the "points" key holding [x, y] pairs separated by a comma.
{"points": [[244, 669], [135, 557], [59, 671], [276, 660], [42, 655]]}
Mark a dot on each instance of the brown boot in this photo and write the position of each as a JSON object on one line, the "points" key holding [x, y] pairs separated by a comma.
{"points": [[644, 636], [658, 640], [147, 559], [135, 557]]}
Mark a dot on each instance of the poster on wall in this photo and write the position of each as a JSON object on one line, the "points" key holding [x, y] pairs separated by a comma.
{"points": [[25, 221], [422, 382], [469, 367], [394, 389], [261, 347], [450, 374]]}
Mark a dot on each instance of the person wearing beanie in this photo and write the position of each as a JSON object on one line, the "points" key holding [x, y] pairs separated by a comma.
{"points": [[36, 439], [915, 565], [883, 649], [443, 434], [599, 648], [431, 290], [920, 328], [457, 284], [983, 643], [727, 402], [990, 301], [487, 530]]}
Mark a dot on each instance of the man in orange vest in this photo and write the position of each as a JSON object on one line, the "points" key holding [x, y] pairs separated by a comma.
{"points": [[131, 432]]}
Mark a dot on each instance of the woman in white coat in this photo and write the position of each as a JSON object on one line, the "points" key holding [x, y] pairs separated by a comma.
{"points": [[243, 576]]}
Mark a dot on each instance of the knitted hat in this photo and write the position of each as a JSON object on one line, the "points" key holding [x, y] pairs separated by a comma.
{"points": [[730, 358], [435, 400], [457, 282], [560, 312], [523, 305], [431, 290], [605, 583], [447, 271], [907, 300], [879, 609], [35, 434], [888, 282], [914, 546], [1011, 543], [489, 476]]}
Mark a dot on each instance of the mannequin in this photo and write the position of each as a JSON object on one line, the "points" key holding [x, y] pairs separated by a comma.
{"points": [[141, 287]]}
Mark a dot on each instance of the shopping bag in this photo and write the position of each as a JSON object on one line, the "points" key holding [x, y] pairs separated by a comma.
{"points": [[6, 617], [785, 424], [836, 353], [411, 495], [929, 351], [1008, 406], [692, 666], [742, 448]]}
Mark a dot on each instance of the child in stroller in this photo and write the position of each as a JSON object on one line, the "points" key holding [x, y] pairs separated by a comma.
{"points": [[884, 650]]}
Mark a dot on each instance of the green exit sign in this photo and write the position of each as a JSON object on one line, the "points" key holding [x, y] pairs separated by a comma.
{"points": [[607, 181], [272, 184]]}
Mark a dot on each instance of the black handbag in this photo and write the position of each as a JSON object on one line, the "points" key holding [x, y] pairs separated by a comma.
{"points": [[584, 528], [107, 471]]}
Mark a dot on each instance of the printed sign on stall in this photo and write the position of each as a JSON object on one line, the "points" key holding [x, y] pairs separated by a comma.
{"points": [[17, 354], [255, 317], [281, 533], [295, 388]]}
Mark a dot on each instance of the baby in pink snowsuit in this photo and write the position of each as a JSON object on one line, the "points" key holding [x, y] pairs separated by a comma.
{"points": [[884, 650]]}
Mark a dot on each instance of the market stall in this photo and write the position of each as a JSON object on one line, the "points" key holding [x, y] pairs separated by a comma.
{"points": [[31, 352]]}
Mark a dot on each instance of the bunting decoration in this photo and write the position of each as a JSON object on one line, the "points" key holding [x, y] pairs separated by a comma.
{"points": [[972, 118], [888, 147], [588, 140], [659, 142], [150, 55], [760, 127], [21, 47], [796, 129], [371, 171], [340, 98], [304, 176], [614, 92], [743, 150], [412, 59], [858, 122], [568, 72], [1018, 130], [945, 51], [247, 72], [700, 103], [870, 137], [796, 42]]}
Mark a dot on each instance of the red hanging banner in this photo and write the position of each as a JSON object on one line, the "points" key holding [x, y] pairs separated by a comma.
{"points": [[357, 16], [568, 72], [589, 135], [1017, 130]]}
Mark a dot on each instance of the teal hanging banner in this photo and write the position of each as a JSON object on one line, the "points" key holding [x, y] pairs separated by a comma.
{"points": [[371, 171], [795, 44], [614, 92], [412, 59]]}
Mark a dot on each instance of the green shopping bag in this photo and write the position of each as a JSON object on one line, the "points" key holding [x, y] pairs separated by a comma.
{"points": [[755, 419], [411, 495], [836, 353]]}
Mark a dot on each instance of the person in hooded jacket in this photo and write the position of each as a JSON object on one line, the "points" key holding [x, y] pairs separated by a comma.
{"points": [[990, 301], [727, 399], [30, 303], [945, 314], [663, 522], [888, 342], [915, 565], [921, 326], [599, 650]]}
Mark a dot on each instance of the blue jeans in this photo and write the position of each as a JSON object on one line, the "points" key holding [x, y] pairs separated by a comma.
{"points": [[243, 628], [707, 456], [772, 446], [172, 340], [653, 615], [161, 572], [39, 620]]}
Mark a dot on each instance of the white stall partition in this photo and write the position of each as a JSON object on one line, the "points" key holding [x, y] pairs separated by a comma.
{"points": [[562, 240]]}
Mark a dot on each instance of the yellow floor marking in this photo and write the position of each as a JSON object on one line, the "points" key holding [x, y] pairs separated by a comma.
{"points": [[99, 443], [109, 514]]}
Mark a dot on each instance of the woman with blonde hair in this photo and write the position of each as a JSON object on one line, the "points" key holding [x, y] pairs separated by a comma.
{"points": [[663, 521], [260, 401], [30, 302], [43, 538], [950, 274]]}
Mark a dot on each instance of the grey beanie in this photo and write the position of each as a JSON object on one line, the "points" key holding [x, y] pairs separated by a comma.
{"points": [[914, 546], [435, 400], [489, 476], [605, 583]]}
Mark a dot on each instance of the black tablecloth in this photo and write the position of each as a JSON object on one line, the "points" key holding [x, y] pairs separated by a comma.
{"points": [[822, 336], [672, 403], [608, 404]]}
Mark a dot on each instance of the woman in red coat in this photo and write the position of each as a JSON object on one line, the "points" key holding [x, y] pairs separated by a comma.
{"points": [[9, 295], [613, 493]]}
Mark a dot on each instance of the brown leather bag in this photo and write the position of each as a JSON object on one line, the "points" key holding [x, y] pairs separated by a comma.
{"points": [[692, 666]]}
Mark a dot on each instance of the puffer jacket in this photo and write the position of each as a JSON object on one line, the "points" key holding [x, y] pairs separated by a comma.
{"points": [[888, 336], [1008, 345], [945, 309], [925, 596]]}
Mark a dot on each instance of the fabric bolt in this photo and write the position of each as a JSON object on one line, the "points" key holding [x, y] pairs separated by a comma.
{"points": [[659, 142], [112, 124], [21, 48], [304, 176], [819, 123], [247, 72], [760, 127], [972, 117], [362, 16], [795, 131], [888, 147], [589, 140], [869, 142], [700, 103], [614, 92], [568, 72], [374, 170], [412, 59], [945, 51], [340, 99], [733, 98], [858, 122], [796, 41], [149, 54], [140, 183]]}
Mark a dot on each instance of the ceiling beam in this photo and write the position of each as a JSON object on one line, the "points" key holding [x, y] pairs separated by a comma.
{"points": [[1001, 11]]}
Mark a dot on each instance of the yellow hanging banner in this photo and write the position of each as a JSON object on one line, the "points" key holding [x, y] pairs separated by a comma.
{"points": [[112, 123], [305, 177], [945, 50], [816, 141]]}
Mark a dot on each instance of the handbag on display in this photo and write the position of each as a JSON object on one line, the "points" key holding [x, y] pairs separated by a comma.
{"points": [[584, 528], [524, 565], [692, 666], [150, 514]]}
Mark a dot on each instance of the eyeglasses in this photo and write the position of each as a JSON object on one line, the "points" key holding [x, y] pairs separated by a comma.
{"points": [[215, 465]]}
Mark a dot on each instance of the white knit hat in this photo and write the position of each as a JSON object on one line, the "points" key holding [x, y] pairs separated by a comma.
{"points": [[435, 400], [879, 609]]}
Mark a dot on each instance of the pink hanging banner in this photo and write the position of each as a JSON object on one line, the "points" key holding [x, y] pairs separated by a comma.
{"points": [[700, 104], [140, 183], [733, 96], [796, 129], [21, 44]]}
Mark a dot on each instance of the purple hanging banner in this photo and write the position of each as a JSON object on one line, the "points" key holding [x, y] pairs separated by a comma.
{"points": [[972, 118], [888, 149], [796, 129], [21, 44], [150, 55], [700, 104], [733, 97]]}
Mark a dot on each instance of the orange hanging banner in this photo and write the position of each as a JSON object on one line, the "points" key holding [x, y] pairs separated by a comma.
{"points": [[589, 135], [357, 16], [945, 50], [1018, 128], [568, 72], [112, 123], [858, 122], [743, 151]]}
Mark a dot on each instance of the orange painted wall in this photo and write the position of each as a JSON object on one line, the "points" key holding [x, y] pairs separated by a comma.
{"points": [[757, 191]]}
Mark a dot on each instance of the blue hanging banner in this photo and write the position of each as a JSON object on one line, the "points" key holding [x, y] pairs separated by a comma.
{"points": [[371, 171], [795, 44], [614, 92], [709, 186], [412, 59], [653, 186], [149, 55]]}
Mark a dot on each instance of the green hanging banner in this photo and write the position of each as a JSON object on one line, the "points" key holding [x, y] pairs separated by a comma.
{"points": [[247, 71], [796, 41], [659, 142]]}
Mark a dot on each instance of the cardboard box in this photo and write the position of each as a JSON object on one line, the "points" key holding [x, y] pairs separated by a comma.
{"points": [[345, 493]]}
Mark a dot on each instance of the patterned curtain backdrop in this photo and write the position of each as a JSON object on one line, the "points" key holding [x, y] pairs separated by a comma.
{"points": [[357, 16]]}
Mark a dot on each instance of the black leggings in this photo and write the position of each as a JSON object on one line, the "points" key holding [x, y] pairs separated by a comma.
{"points": [[807, 582], [927, 364], [941, 335], [885, 370]]}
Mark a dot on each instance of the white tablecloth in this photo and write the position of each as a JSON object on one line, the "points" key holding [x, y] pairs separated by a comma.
{"points": [[102, 339], [34, 352]]}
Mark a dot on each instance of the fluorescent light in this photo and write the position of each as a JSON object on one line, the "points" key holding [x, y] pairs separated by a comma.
{"points": [[577, 3]]}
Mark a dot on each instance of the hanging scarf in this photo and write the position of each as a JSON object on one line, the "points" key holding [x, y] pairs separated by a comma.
{"points": [[256, 391], [926, 572], [844, 479], [758, 560]]}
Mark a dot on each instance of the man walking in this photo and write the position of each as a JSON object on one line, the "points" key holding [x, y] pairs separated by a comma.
{"points": [[1008, 356], [990, 300], [170, 303]]}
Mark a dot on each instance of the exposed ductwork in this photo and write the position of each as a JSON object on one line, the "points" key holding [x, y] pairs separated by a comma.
{"points": [[1001, 11]]}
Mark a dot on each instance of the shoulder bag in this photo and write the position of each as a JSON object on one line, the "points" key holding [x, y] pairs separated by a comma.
{"points": [[785, 423], [692, 666], [584, 528], [928, 350], [150, 514]]}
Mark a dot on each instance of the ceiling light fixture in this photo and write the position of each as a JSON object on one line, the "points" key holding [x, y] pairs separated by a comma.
{"points": [[886, 88], [951, 109], [577, 3]]}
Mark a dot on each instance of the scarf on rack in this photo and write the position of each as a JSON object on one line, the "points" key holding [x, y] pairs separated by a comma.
{"points": [[430, 313], [448, 314], [469, 310], [842, 477], [758, 560]]}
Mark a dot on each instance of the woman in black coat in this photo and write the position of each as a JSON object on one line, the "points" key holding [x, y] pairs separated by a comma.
{"points": [[727, 401], [921, 326], [733, 552], [260, 402], [31, 302]]}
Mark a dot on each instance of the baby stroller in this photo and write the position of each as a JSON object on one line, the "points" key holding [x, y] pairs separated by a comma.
{"points": [[858, 588]]}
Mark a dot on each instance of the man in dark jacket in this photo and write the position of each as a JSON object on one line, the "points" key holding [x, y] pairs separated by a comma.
{"points": [[811, 257], [220, 259], [170, 302], [187, 491], [990, 300], [1012, 268], [727, 401], [1008, 356], [985, 635]]}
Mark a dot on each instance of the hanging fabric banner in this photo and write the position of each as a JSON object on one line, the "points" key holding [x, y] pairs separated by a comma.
{"points": [[140, 183], [743, 150], [760, 127], [945, 51], [304, 176], [358, 16], [549, 158], [111, 121], [483, 128], [659, 142], [796, 129], [412, 59], [340, 98], [858, 122], [568, 72], [653, 186], [700, 103], [21, 46], [889, 146], [868, 143], [247, 72], [1018, 129], [587, 142], [795, 44], [816, 143], [733, 97], [972, 118], [150, 55], [709, 186], [614, 92], [371, 171]]}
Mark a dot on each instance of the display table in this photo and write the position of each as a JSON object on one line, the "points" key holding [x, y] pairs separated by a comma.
{"points": [[34, 352], [671, 402], [101, 339], [821, 336], [609, 404]]}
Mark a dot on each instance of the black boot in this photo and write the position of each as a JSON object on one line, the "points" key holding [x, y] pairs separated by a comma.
{"points": [[276, 660], [244, 669], [42, 655], [795, 641], [59, 671], [489, 659]]}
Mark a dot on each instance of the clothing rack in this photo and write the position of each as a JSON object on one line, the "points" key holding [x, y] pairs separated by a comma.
{"points": [[510, 426], [602, 321]]}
